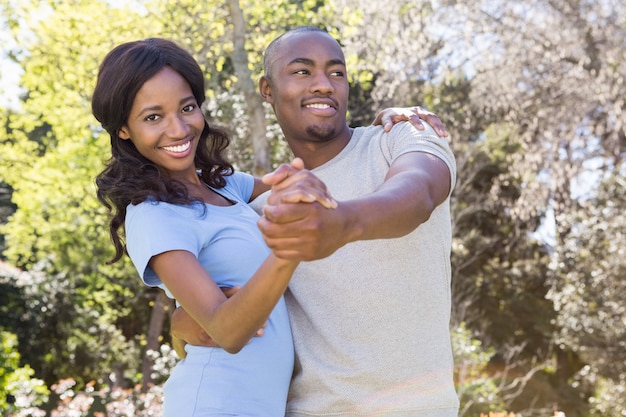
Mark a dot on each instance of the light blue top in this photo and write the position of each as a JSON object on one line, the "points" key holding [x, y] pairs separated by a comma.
{"points": [[229, 245]]}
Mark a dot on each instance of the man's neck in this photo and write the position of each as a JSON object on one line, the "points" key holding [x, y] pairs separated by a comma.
{"points": [[315, 154]]}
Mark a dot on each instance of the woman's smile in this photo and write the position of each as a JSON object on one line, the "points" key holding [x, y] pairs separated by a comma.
{"points": [[179, 148]]}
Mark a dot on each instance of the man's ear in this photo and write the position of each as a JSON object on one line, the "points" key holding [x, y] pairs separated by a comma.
{"points": [[123, 133], [266, 89]]}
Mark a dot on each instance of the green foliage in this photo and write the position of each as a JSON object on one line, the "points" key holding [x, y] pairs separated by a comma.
{"points": [[476, 388], [17, 382], [610, 397], [81, 315], [82, 318], [590, 296]]}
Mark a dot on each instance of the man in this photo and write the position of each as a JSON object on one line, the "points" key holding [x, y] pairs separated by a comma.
{"points": [[370, 312]]}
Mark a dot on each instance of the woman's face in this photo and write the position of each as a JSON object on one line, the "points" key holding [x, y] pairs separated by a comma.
{"points": [[165, 123]]}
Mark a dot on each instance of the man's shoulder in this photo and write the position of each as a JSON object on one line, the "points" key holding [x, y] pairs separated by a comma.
{"points": [[407, 128], [400, 129]]}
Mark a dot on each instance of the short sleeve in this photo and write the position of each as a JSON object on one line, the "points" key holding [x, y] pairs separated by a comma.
{"points": [[239, 187], [153, 228], [404, 138]]}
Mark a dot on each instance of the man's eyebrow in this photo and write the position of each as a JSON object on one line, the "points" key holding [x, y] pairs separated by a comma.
{"points": [[336, 62], [305, 61], [308, 61]]}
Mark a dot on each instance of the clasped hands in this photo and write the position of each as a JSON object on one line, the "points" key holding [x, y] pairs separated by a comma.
{"points": [[296, 227]]}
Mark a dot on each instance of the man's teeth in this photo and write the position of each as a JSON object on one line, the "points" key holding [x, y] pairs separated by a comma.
{"points": [[178, 148], [318, 106]]}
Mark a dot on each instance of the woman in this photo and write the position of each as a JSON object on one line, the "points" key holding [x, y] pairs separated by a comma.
{"points": [[189, 230]]}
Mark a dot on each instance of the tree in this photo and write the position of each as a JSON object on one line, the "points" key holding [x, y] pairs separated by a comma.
{"points": [[590, 296], [561, 92], [52, 150], [248, 87]]}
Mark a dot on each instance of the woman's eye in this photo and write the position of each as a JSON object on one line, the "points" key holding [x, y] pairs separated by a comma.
{"points": [[188, 108], [152, 118]]}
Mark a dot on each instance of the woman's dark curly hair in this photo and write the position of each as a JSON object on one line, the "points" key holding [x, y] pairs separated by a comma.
{"points": [[130, 178]]}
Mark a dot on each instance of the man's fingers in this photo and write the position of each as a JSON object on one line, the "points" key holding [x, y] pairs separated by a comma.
{"points": [[281, 173], [308, 196], [297, 163], [432, 120], [261, 331], [283, 213], [417, 122]]}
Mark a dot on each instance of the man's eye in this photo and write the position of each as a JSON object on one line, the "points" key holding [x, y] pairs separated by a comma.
{"points": [[302, 72], [337, 73]]}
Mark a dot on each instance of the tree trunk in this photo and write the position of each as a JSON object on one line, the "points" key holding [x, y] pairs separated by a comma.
{"points": [[157, 318], [257, 125]]}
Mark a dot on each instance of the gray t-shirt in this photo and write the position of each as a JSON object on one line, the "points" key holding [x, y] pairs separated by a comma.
{"points": [[371, 322]]}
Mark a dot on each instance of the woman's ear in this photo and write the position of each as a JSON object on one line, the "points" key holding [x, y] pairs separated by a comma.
{"points": [[265, 89], [123, 133]]}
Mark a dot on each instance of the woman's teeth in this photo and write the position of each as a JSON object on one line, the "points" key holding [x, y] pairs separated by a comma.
{"points": [[178, 148]]}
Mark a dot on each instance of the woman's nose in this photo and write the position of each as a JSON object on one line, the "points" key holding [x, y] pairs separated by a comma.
{"points": [[177, 128]]}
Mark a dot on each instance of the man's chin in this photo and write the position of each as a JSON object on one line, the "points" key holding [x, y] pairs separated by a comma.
{"points": [[321, 133]]}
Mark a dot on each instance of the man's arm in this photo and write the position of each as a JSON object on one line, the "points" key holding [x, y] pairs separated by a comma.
{"points": [[416, 183]]}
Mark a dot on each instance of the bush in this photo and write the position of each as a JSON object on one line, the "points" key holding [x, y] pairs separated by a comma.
{"points": [[20, 393]]}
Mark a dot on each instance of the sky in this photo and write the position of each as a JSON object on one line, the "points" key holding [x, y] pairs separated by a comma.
{"points": [[9, 83], [9, 71]]}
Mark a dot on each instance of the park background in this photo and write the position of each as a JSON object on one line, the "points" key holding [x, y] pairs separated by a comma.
{"points": [[532, 94]]}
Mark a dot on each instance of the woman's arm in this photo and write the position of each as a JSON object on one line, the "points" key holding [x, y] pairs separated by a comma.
{"points": [[230, 322]]}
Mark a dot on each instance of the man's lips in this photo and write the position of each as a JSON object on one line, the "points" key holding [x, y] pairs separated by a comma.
{"points": [[320, 103], [317, 106], [321, 107]]}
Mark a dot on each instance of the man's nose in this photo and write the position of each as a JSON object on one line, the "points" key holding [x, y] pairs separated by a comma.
{"points": [[322, 84]]}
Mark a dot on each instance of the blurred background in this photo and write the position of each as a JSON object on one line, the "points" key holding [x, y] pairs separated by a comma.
{"points": [[532, 94]]}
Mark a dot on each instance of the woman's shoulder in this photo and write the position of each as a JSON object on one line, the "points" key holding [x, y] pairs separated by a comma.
{"points": [[240, 185], [154, 208], [239, 177]]}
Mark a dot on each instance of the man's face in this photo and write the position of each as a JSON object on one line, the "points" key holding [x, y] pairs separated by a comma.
{"points": [[309, 87]]}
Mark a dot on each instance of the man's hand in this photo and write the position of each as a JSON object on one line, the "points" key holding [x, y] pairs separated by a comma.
{"points": [[303, 231], [294, 184], [294, 228], [390, 116], [185, 330]]}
